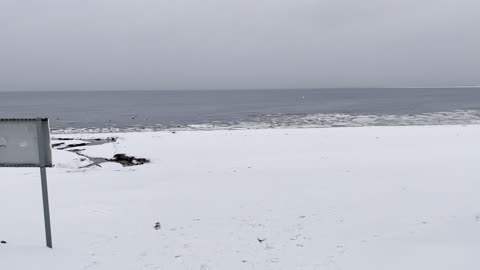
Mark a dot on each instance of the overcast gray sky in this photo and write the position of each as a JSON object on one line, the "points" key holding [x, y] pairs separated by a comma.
{"points": [[232, 44]]}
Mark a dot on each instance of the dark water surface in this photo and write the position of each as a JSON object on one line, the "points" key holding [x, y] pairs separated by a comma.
{"points": [[244, 109]]}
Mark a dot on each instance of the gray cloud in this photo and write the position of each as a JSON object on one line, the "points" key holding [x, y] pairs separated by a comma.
{"points": [[226, 44]]}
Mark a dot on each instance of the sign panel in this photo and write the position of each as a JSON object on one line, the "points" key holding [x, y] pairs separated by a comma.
{"points": [[20, 140]]}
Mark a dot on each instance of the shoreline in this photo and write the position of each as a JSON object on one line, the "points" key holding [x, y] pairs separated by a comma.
{"points": [[305, 122]]}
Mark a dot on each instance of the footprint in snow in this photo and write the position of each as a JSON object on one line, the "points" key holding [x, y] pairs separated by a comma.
{"points": [[275, 260], [261, 240]]}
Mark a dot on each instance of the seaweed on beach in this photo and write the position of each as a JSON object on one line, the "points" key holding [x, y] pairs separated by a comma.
{"points": [[123, 159], [128, 161]]}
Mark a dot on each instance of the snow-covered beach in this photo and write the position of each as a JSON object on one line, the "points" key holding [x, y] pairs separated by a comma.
{"points": [[334, 198]]}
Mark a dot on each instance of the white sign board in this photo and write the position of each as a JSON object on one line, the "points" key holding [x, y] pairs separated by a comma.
{"points": [[20, 140]]}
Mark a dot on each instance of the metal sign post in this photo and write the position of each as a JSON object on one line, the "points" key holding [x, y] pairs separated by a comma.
{"points": [[43, 174], [26, 143]]}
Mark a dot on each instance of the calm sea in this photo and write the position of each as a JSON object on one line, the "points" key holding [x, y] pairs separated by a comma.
{"points": [[157, 110]]}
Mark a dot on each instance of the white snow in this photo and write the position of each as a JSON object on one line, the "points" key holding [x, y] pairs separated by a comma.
{"points": [[339, 198]]}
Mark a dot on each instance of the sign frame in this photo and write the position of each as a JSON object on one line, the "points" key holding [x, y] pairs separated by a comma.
{"points": [[43, 135], [45, 161]]}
